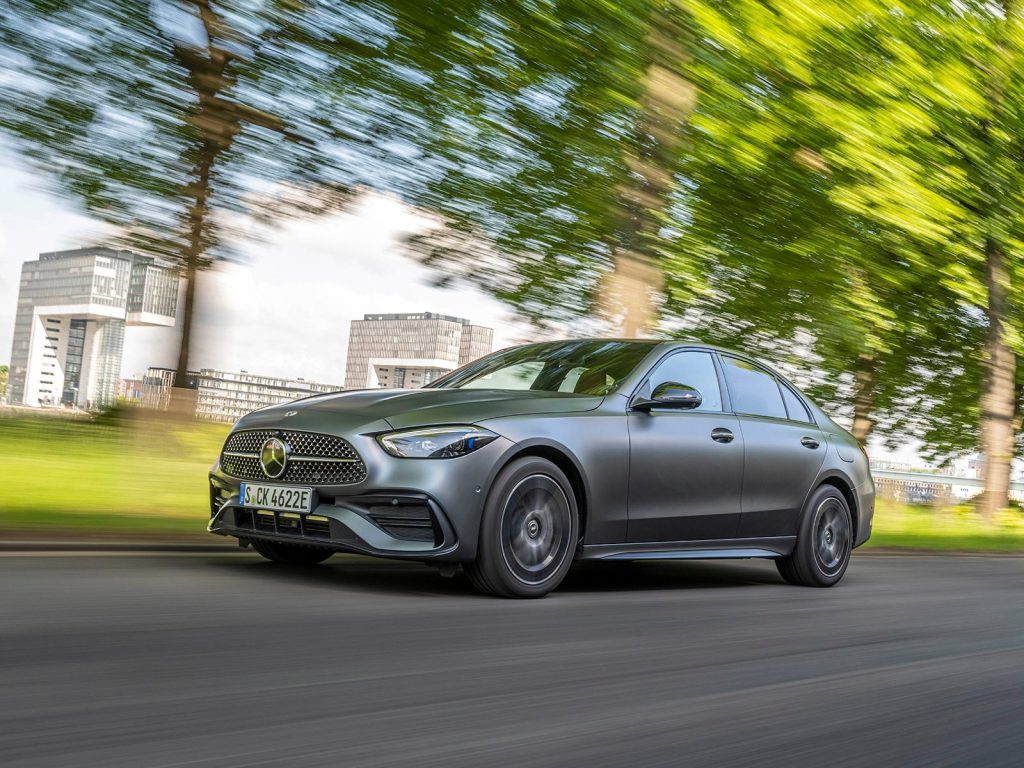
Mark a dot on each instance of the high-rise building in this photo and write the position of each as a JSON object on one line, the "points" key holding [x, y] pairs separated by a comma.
{"points": [[73, 307], [227, 395], [407, 351]]}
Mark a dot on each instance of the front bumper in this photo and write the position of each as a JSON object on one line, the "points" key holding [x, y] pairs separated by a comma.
{"points": [[423, 509]]}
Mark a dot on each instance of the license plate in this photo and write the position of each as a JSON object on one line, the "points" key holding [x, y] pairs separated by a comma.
{"points": [[276, 497]]}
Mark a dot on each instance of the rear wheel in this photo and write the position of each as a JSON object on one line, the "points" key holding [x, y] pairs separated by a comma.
{"points": [[528, 531], [823, 544], [291, 554]]}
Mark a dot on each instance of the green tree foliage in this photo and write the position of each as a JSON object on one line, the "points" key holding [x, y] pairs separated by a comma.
{"points": [[781, 254], [554, 143], [855, 173], [946, 98]]}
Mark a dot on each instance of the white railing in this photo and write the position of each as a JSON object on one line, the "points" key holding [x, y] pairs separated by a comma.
{"points": [[927, 478]]}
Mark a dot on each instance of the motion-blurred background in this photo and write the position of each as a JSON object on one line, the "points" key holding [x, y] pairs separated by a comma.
{"points": [[217, 206]]}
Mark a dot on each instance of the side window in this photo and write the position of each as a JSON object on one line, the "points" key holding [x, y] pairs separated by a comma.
{"points": [[753, 391], [797, 410], [694, 369]]}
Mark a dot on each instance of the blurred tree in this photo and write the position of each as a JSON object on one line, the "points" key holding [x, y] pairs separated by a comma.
{"points": [[869, 164], [183, 122], [947, 100], [785, 266], [984, 140], [542, 133], [3, 380], [555, 141], [667, 99]]}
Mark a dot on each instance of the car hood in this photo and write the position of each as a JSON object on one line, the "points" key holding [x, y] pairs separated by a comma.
{"points": [[383, 409]]}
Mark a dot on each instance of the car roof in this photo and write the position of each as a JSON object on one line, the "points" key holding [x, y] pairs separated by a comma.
{"points": [[657, 347], [662, 346], [665, 344]]}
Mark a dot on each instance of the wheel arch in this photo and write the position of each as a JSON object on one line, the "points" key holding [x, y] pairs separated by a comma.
{"points": [[842, 483]]}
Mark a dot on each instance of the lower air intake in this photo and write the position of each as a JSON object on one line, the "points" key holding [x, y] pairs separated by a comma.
{"points": [[412, 522]]}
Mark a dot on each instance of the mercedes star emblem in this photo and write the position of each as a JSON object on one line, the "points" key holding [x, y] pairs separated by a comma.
{"points": [[274, 457]]}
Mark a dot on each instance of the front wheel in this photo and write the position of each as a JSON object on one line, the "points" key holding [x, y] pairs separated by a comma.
{"points": [[291, 554], [528, 532], [823, 544]]}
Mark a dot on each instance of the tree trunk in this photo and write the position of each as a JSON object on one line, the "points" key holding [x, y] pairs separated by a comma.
{"points": [[183, 398], [181, 371], [864, 380], [629, 296], [197, 214], [998, 395], [216, 123]]}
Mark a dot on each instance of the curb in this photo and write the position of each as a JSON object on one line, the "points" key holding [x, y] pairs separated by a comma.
{"points": [[897, 552]]}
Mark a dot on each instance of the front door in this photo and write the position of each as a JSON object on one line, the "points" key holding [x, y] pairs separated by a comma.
{"points": [[686, 466]]}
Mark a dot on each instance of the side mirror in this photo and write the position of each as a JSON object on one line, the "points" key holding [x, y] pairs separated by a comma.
{"points": [[670, 394]]}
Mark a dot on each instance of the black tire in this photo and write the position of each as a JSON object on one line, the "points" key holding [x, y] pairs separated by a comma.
{"points": [[785, 566], [823, 543], [528, 532], [291, 554]]}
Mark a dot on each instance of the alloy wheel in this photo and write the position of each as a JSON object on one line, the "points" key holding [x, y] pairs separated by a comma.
{"points": [[535, 526], [831, 536]]}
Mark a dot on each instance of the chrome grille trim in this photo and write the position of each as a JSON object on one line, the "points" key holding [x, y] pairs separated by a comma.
{"points": [[317, 444], [318, 459], [293, 457], [323, 459]]}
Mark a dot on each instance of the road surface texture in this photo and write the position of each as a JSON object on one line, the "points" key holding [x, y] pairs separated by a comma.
{"points": [[216, 659]]}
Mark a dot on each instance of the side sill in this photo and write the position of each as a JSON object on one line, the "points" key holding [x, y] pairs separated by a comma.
{"points": [[771, 546]]}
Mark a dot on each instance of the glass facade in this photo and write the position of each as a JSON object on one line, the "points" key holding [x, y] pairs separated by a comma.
{"points": [[73, 362], [153, 289], [410, 350], [476, 342], [70, 320], [108, 344]]}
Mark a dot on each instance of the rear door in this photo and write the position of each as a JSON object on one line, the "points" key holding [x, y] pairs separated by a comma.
{"points": [[686, 466], [783, 449]]}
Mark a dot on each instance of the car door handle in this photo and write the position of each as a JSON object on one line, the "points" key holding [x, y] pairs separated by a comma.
{"points": [[722, 435], [809, 442]]}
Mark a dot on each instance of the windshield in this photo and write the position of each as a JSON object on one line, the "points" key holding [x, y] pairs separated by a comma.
{"points": [[572, 367]]}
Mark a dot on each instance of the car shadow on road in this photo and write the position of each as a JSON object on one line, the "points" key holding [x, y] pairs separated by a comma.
{"points": [[384, 576], [666, 574]]}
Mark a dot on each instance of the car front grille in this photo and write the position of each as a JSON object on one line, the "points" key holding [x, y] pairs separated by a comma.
{"points": [[315, 459]]}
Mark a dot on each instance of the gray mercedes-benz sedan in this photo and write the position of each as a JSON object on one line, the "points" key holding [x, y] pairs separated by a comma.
{"points": [[530, 458]]}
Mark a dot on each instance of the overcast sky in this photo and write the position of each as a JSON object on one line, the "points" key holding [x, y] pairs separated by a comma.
{"points": [[285, 311]]}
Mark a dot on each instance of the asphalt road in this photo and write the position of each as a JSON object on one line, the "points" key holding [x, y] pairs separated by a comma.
{"points": [[225, 660]]}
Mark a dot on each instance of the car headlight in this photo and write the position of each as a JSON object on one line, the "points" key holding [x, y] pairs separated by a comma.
{"points": [[435, 442]]}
